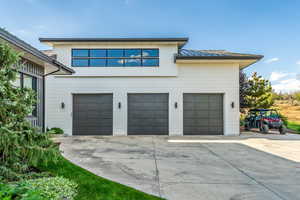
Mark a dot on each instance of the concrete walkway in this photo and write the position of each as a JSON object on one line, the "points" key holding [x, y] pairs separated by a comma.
{"points": [[248, 167]]}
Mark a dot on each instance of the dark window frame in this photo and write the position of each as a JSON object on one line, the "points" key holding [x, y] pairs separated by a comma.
{"points": [[34, 87], [124, 58]]}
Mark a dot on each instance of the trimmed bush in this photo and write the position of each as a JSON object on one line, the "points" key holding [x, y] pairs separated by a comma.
{"points": [[56, 130]]}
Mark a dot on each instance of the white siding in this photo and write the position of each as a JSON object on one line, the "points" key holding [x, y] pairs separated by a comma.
{"points": [[191, 78]]}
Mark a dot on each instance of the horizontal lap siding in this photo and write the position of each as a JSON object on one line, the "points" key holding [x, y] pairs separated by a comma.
{"points": [[193, 78]]}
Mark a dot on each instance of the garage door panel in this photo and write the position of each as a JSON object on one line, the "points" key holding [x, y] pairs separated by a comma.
{"points": [[203, 114], [148, 114], [92, 114]]}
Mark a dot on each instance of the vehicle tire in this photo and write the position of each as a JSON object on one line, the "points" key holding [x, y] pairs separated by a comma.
{"points": [[247, 127], [282, 130], [265, 128]]}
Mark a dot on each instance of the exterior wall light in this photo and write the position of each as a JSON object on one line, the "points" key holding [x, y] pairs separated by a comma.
{"points": [[119, 105], [62, 105], [232, 104], [176, 105]]}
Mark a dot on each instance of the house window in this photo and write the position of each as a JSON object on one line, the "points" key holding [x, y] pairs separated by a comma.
{"points": [[115, 57], [27, 81]]}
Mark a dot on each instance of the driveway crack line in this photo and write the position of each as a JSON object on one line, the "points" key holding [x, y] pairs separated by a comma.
{"points": [[156, 168], [245, 173]]}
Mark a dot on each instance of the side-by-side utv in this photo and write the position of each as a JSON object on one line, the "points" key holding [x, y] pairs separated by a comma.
{"points": [[264, 119]]}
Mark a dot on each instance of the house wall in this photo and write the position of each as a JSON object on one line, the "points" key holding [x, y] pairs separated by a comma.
{"points": [[189, 78]]}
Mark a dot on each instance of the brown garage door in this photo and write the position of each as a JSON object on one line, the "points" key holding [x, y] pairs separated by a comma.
{"points": [[148, 114], [202, 114], [92, 114]]}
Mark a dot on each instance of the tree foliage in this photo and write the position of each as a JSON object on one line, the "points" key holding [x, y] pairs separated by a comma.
{"points": [[258, 93], [21, 145], [243, 88]]}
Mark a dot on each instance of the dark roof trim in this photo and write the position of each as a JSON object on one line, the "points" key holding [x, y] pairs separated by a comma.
{"points": [[29, 49], [219, 57]]}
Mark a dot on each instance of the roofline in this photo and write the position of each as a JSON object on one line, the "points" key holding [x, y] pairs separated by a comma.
{"points": [[183, 40], [30, 49], [256, 57]]}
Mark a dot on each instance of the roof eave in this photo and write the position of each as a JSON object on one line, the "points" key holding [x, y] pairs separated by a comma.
{"points": [[242, 61], [50, 41], [12, 40]]}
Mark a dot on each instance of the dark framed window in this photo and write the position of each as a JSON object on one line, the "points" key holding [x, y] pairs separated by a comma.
{"points": [[97, 62], [80, 53], [27, 81], [116, 53], [115, 62], [78, 62], [115, 57]]}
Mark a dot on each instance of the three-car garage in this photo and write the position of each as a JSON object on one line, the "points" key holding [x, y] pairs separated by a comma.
{"points": [[148, 114]]}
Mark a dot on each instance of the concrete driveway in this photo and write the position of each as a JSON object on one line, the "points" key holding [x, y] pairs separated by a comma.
{"points": [[248, 167]]}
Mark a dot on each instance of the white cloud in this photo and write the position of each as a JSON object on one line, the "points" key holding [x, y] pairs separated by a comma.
{"points": [[277, 75], [271, 60], [287, 85], [298, 62]]}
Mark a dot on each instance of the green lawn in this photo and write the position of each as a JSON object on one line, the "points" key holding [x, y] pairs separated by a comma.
{"points": [[293, 126], [94, 187]]}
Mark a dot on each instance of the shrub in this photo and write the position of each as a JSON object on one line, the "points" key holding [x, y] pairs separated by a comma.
{"points": [[20, 192], [21, 145], [54, 188], [56, 130]]}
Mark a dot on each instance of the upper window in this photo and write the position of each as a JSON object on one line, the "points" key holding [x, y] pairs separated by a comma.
{"points": [[115, 57]]}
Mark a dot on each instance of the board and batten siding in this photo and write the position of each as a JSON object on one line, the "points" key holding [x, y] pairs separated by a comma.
{"points": [[34, 70], [191, 78]]}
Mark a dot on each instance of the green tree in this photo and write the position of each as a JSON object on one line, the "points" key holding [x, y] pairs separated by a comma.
{"points": [[21, 145], [258, 93], [243, 88]]}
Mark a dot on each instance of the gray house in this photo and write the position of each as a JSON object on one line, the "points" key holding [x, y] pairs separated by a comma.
{"points": [[35, 66]]}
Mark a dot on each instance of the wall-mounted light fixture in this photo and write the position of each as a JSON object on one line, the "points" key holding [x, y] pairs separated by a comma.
{"points": [[62, 105], [232, 104], [176, 105], [119, 105]]}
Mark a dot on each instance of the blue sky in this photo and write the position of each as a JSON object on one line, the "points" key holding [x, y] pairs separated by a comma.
{"points": [[270, 28]]}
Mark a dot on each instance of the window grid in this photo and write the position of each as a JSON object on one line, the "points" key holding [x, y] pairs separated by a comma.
{"points": [[124, 58]]}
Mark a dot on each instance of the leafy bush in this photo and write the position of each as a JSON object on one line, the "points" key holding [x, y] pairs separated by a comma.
{"points": [[21, 145], [20, 192], [56, 130], [54, 188]]}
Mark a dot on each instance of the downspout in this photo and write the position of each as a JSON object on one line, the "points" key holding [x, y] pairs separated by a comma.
{"points": [[44, 97]]}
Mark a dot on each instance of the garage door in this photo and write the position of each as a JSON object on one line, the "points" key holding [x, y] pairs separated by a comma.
{"points": [[148, 114], [202, 114], [92, 114]]}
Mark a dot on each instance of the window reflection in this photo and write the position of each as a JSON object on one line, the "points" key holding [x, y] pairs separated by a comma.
{"points": [[115, 57]]}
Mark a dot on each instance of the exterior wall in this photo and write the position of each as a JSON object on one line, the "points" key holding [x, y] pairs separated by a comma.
{"points": [[36, 71], [166, 60], [191, 78]]}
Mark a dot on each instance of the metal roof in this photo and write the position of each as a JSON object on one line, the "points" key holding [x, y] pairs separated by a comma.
{"points": [[5, 35], [213, 54]]}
